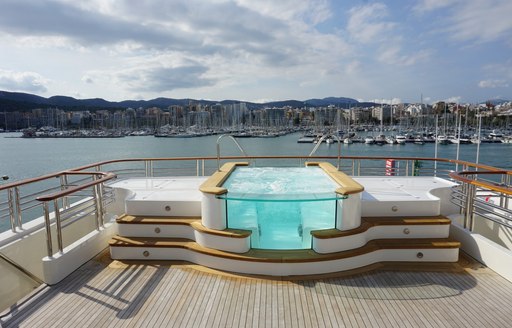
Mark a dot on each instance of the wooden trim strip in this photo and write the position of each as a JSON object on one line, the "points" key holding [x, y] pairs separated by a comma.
{"points": [[285, 256], [461, 176], [348, 185], [193, 222], [369, 222], [213, 185], [164, 220]]}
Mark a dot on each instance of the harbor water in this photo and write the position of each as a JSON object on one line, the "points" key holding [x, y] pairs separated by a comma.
{"points": [[23, 158]]}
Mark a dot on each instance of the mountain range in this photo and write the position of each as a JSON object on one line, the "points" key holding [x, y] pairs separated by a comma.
{"points": [[18, 101]]}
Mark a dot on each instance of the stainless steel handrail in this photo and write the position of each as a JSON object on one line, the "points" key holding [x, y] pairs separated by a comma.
{"points": [[218, 148], [97, 196], [469, 197], [319, 142]]}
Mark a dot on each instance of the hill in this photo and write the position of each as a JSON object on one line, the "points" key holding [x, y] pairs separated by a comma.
{"points": [[18, 101]]}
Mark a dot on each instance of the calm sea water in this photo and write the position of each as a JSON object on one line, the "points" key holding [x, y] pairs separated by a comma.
{"points": [[25, 158]]}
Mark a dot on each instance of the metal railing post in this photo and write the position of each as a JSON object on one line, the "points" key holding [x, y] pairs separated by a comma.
{"points": [[358, 167], [49, 244], [58, 224], [464, 203], [468, 211], [197, 167], [339, 152], [353, 167], [64, 186], [148, 168], [406, 168], [98, 200], [10, 200], [464, 193], [18, 207]]}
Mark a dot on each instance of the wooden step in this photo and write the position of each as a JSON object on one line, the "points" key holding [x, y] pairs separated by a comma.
{"points": [[369, 222], [285, 256], [193, 222], [130, 219]]}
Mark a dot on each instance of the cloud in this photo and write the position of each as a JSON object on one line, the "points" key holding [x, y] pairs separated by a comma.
{"points": [[393, 55], [425, 6], [493, 84], [454, 99], [371, 26], [52, 18], [164, 79], [87, 79], [263, 32], [472, 20], [393, 101], [366, 23], [313, 11], [22, 81]]}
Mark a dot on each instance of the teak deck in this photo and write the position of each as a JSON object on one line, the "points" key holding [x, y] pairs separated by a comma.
{"points": [[105, 293]]}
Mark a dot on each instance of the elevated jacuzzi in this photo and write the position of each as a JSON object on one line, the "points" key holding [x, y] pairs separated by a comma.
{"points": [[291, 221], [281, 206]]}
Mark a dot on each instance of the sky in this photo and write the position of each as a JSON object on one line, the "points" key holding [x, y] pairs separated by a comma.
{"points": [[258, 51]]}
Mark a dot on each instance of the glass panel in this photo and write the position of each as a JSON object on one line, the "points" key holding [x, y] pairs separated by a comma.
{"points": [[281, 224], [281, 205]]}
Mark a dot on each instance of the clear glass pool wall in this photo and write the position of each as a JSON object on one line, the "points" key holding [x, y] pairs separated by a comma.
{"points": [[281, 206]]}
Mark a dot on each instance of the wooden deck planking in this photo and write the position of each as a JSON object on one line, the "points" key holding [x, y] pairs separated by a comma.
{"points": [[474, 296], [119, 288], [194, 313], [448, 310], [163, 304], [385, 317], [180, 302], [214, 289], [164, 295], [368, 306]]}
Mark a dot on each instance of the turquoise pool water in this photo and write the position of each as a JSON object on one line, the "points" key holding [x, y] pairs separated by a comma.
{"points": [[280, 205]]}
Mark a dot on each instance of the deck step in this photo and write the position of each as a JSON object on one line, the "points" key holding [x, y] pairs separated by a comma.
{"points": [[370, 222], [283, 256], [150, 222], [133, 219]]}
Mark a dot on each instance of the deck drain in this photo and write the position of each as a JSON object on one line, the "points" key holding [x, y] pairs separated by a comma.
{"points": [[167, 208], [407, 231], [419, 255], [157, 230], [394, 208], [145, 253]]}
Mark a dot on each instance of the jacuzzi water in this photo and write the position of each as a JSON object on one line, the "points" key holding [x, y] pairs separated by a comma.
{"points": [[280, 205]]}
